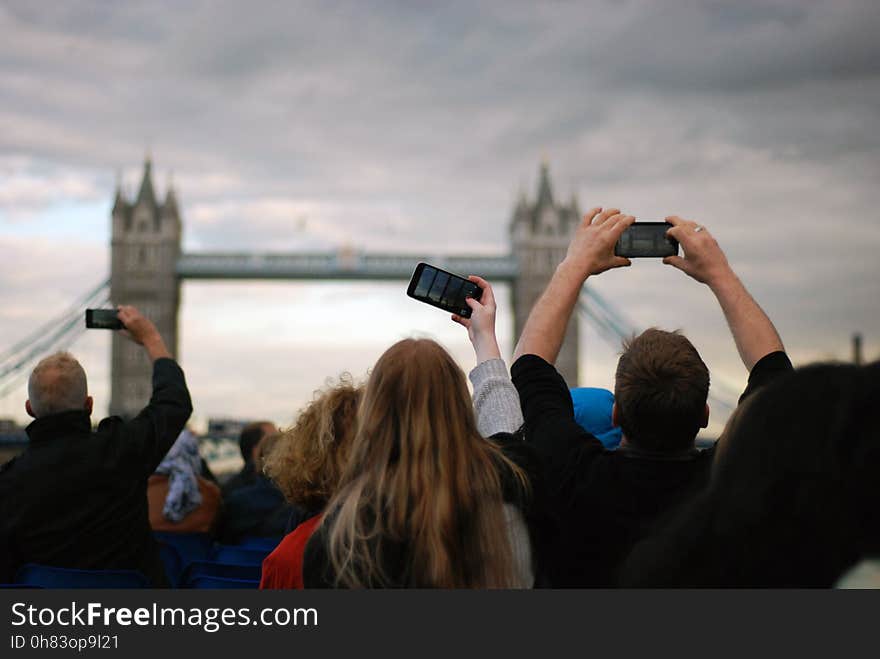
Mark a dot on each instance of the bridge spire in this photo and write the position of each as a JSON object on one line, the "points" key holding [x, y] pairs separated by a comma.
{"points": [[119, 202], [545, 192], [146, 195], [540, 233], [170, 205]]}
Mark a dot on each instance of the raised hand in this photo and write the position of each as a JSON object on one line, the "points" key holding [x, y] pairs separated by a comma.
{"points": [[481, 324], [703, 259], [141, 329], [592, 248]]}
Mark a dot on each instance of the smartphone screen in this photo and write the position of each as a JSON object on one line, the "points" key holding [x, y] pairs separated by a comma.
{"points": [[646, 239], [103, 319], [442, 289]]}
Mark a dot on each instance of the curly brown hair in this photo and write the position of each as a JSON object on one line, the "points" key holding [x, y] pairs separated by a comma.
{"points": [[307, 461]]}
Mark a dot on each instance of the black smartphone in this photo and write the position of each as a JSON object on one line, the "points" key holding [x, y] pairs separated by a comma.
{"points": [[103, 319], [442, 289], [646, 239]]}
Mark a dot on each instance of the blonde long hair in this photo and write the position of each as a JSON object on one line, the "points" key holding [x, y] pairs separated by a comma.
{"points": [[421, 477]]}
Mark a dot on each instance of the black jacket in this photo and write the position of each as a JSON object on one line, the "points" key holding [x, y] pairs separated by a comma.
{"points": [[77, 498], [604, 501], [245, 478], [258, 510]]}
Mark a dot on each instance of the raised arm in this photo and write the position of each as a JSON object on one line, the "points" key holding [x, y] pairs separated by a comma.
{"points": [[591, 252], [141, 330], [704, 261], [550, 426], [152, 432], [496, 402]]}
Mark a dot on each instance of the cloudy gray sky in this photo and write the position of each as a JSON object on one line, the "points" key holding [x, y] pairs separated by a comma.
{"points": [[396, 126]]}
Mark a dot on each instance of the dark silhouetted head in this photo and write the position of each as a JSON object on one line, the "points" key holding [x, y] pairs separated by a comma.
{"points": [[794, 492], [250, 438]]}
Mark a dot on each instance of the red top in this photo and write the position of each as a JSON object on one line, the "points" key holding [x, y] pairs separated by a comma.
{"points": [[282, 569]]}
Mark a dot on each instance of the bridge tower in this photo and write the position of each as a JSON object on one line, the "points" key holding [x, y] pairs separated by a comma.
{"points": [[145, 246], [540, 233]]}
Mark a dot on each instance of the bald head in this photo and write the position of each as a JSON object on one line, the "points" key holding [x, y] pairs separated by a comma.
{"points": [[57, 384]]}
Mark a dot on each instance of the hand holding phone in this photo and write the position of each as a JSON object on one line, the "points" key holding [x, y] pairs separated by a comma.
{"points": [[481, 324], [442, 289], [703, 258], [646, 239], [103, 319]]}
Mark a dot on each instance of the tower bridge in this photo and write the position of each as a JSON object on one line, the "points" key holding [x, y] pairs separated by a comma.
{"points": [[148, 266]]}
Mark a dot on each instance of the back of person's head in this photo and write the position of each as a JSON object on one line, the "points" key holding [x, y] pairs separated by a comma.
{"points": [[264, 450], [308, 459], [660, 390], [57, 384], [794, 490], [420, 474], [809, 449], [250, 437]]}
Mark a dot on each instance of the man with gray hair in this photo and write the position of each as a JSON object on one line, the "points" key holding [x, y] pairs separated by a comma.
{"points": [[76, 497], [57, 384]]}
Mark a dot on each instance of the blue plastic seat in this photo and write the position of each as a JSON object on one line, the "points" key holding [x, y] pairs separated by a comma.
{"points": [[223, 570], [240, 555], [266, 544], [190, 546], [172, 561], [46, 576], [206, 582]]}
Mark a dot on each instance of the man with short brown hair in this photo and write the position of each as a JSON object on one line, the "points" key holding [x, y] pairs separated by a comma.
{"points": [[660, 389], [605, 500]]}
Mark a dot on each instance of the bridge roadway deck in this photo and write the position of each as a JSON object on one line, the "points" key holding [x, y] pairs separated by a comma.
{"points": [[337, 265]]}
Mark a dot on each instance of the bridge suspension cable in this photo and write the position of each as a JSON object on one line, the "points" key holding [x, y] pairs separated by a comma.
{"points": [[53, 324], [58, 334]]}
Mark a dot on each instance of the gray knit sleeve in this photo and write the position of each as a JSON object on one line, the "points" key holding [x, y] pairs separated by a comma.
{"points": [[496, 402]]}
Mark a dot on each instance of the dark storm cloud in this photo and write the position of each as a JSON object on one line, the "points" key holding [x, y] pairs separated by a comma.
{"points": [[732, 47], [445, 108], [315, 96]]}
